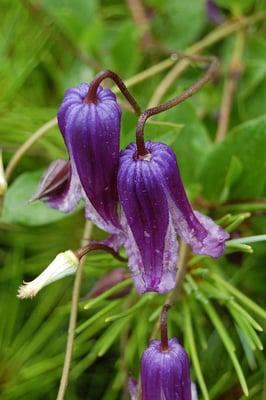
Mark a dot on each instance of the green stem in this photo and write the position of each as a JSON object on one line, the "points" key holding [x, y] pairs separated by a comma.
{"points": [[249, 239]]}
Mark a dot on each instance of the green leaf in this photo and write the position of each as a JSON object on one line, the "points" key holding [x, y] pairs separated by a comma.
{"points": [[17, 209], [234, 170], [235, 5], [193, 351], [247, 143], [183, 23], [221, 330], [240, 296]]}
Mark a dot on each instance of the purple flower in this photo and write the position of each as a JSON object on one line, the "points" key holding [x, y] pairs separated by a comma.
{"points": [[214, 13], [54, 183], [155, 209], [165, 373], [91, 130]]}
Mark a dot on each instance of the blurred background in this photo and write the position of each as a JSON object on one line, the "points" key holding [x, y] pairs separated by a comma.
{"points": [[219, 136]]}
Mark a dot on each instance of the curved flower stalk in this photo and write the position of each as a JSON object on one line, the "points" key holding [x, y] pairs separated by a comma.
{"points": [[155, 209], [165, 373], [64, 264]]}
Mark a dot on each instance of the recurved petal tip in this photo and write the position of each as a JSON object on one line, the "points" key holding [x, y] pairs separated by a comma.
{"points": [[64, 264], [27, 291]]}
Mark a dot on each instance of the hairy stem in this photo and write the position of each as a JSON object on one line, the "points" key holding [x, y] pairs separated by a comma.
{"points": [[98, 246], [92, 93], [210, 39], [73, 319], [164, 330], [141, 151], [174, 294]]}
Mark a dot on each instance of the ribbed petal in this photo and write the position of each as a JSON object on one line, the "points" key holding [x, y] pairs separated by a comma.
{"points": [[165, 374], [59, 186], [149, 235], [204, 236], [132, 388], [91, 133]]}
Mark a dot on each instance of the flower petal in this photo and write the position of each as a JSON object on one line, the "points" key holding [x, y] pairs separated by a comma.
{"points": [[91, 133], [204, 236], [60, 187]]}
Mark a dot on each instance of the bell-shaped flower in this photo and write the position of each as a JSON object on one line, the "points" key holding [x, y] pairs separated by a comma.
{"points": [[91, 129], [64, 264], [155, 209], [165, 374]]}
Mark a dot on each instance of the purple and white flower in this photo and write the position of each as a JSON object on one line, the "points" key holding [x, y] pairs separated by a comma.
{"points": [[91, 131], [155, 209]]}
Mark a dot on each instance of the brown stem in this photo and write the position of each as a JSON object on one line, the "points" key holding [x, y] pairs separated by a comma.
{"points": [[234, 74], [92, 93], [174, 294], [141, 20], [73, 320], [141, 150], [164, 331], [97, 246]]}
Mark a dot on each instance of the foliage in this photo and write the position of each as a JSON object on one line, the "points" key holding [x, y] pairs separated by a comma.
{"points": [[49, 46]]}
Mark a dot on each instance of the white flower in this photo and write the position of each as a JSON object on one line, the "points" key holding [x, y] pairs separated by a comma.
{"points": [[3, 183], [64, 264]]}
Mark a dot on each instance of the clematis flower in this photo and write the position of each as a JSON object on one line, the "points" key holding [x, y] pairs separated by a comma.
{"points": [[155, 209], [64, 264], [165, 373], [90, 126]]}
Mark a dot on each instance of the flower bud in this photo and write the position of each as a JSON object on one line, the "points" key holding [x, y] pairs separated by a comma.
{"points": [[64, 264], [165, 371]]}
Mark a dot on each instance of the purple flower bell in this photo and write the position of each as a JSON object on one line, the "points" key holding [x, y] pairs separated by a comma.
{"points": [[89, 120], [155, 209], [165, 373]]}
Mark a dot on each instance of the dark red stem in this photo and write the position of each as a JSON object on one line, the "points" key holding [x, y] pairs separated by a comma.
{"points": [[141, 150], [164, 332], [92, 93], [97, 246]]}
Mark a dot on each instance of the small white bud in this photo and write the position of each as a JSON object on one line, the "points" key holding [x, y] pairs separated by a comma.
{"points": [[64, 264], [3, 183]]}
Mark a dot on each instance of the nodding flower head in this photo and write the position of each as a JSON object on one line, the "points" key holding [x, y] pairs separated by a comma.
{"points": [[155, 209], [90, 126], [64, 264], [165, 373]]}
